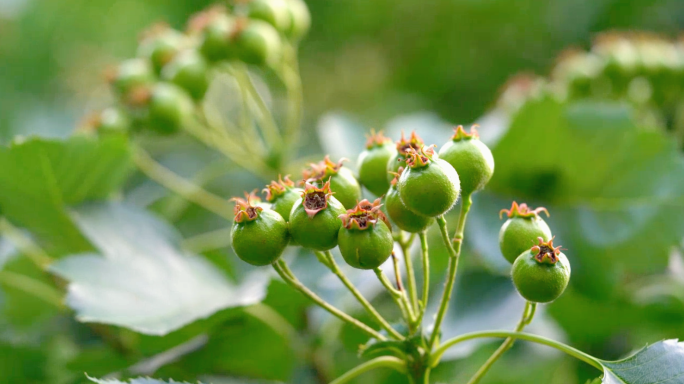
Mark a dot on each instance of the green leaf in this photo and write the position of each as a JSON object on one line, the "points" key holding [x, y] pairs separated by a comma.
{"points": [[140, 380], [659, 363], [40, 177], [143, 281]]}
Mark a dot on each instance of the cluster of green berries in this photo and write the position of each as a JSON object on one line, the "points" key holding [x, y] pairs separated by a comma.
{"points": [[641, 68], [158, 89], [540, 271], [329, 211]]}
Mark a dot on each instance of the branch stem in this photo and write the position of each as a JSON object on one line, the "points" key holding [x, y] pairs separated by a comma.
{"points": [[359, 297], [286, 274], [410, 275], [426, 274], [437, 354], [379, 362], [454, 255], [528, 314]]}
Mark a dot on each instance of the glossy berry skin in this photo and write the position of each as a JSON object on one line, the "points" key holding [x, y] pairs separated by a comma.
{"points": [[431, 189], [260, 241], [169, 107], [258, 43], [471, 158], [540, 282], [521, 231], [188, 70], [217, 43], [402, 217], [372, 165], [274, 12], [160, 47], [283, 205], [300, 19], [319, 230], [368, 248], [131, 74]]}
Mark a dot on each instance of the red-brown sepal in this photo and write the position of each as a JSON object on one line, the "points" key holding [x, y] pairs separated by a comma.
{"points": [[246, 209], [364, 215], [419, 158], [376, 139], [315, 199], [523, 211], [461, 134], [415, 142], [545, 252], [277, 188]]}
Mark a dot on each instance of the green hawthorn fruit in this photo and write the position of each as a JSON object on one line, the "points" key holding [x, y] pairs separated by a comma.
{"points": [[300, 19], [274, 12], [282, 196], [188, 70], [401, 216], [471, 158], [373, 163], [160, 44], [163, 108], [342, 181], [258, 43], [522, 229], [428, 186], [113, 120], [399, 159], [259, 236], [131, 74], [314, 221], [217, 34], [365, 239], [541, 273]]}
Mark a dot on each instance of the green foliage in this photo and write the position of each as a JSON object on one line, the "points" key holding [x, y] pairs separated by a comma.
{"points": [[657, 363]]}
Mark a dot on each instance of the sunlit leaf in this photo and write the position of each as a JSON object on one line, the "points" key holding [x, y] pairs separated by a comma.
{"points": [[143, 281], [40, 177], [660, 363]]}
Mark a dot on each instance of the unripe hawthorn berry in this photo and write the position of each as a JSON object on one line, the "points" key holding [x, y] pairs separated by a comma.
{"points": [[399, 159], [257, 42], [274, 12], [520, 232], [373, 163], [282, 195], [342, 181], [401, 216], [314, 221], [160, 44], [541, 273], [428, 186], [471, 158], [214, 29], [164, 108], [365, 239], [129, 75], [190, 71], [112, 120], [300, 19], [259, 236]]}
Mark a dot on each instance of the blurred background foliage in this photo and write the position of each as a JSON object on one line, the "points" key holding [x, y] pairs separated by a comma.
{"points": [[606, 164]]}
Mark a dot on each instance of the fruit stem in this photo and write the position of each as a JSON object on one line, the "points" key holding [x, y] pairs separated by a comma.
{"points": [[426, 274], [286, 274], [437, 354], [410, 314], [410, 275], [359, 297], [527, 315], [184, 188], [396, 294], [454, 253], [382, 361]]}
